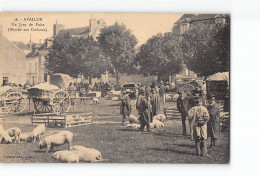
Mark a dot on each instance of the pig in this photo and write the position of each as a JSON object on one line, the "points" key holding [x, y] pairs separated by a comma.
{"points": [[156, 124], [133, 126], [87, 154], [160, 117], [14, 132], [24, 136], [4, 136], [66, 156], [38, 132], [60, 138], [132, 119]]}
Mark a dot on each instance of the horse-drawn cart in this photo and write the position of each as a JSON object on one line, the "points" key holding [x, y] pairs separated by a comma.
{"points": [[187, 85], [12, 99], [51, 96]]}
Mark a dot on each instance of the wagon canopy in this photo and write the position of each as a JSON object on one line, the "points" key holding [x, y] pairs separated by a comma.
{"points": [[61, 80], [221, 76], [45, 87]]}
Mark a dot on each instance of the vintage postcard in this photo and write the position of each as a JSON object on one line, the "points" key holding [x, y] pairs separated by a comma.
{"points": [[114, 88]]}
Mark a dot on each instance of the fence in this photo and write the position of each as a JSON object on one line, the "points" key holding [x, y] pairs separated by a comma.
{"points": [[64, 120]]}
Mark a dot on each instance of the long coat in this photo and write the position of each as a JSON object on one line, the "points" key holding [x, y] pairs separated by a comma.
{"points": [[200, 116], [144, 109], [214, 121], [180, 105], [155, 102], [125, 108]]}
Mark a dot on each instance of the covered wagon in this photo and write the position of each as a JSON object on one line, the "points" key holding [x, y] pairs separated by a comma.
{"points": [[51, 96]]}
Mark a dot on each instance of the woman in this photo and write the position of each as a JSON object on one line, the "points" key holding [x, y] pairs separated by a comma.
{"points": [[125, 108]]}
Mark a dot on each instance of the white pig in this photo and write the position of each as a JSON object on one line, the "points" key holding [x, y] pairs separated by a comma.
{"points": [[60, 138], [160, 117], [87, 154], [38, 132], [4, 137], [14, 132], [156, 124], [24, 136], [66, 156], [133, 119]]}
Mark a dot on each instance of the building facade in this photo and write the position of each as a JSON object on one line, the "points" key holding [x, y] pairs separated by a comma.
{"points": [[187, 20], [35, 60], [12, 63]]}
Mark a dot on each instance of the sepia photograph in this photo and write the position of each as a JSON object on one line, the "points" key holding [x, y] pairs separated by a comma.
{"points": [[115, 88]]}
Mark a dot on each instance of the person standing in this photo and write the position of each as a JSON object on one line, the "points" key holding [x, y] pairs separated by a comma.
{"points": [[155, 101], [204, 93], [181, 109], [162, 91], [214, 121], [125, 108], [143, 105], [199, 114]]}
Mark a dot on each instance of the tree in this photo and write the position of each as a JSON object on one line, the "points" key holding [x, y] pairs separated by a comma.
{"points": [[118, 45], [207, 48], [76, 56], [161, 55]]}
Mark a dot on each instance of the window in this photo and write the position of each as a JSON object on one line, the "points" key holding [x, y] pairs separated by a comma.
{"points": [[5, 81], [183, 28]]}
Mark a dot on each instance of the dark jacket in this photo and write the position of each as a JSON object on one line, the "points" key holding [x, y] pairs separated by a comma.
{"points": [[214, 121], [155, 102], [125, 108]]}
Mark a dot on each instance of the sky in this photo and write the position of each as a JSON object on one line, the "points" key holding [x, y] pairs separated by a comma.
{"points": [[142, 25]]}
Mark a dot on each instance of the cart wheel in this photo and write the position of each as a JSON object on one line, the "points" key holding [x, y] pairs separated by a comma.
{"points": [[61, 102], [42, 106], [15, 102], [187, 88]]}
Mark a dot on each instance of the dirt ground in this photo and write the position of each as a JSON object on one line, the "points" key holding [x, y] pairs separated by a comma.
{"points": [[116, 143]]}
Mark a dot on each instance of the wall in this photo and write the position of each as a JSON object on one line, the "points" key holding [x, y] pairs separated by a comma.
{"points": [[12, 62], [35, 69], [95, 26]]}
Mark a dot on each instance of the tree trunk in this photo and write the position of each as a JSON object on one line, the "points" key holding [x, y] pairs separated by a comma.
{"points": [[90, 80], [117, 77]]}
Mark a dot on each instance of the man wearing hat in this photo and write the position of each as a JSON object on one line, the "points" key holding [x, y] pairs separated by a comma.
{"points": [[199, 115], [125, 108], [214, 120], [143, 106], [181, 109], [155, 101]]}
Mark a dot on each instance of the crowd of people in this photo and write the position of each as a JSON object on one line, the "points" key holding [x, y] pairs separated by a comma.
{"points": [[204, 119], [147, 103], [84, 88]]}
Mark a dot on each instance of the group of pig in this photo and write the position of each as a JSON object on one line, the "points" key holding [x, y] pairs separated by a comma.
{"points": [[74, 154], [158, 121]]}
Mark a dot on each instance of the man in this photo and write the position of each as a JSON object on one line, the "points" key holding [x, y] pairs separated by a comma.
{"points": [[143, 106], [199, 114], [162, 91], [148, 90], [125, 108], [181, 109], [214, 121], [204, 93], [155, 101]]}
